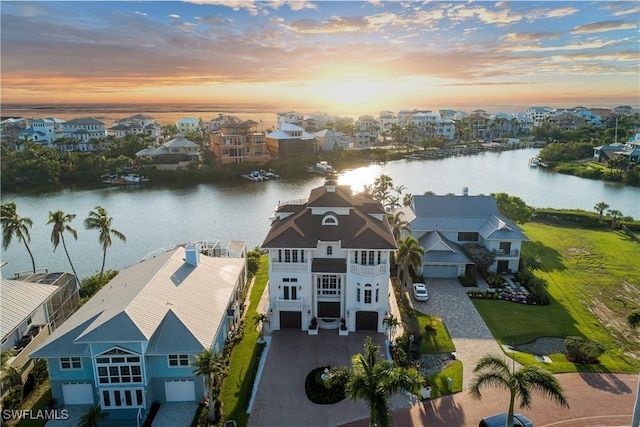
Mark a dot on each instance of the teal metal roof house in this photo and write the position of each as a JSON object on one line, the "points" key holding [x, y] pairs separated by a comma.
{"points": [[132, 343], [443, 224]]}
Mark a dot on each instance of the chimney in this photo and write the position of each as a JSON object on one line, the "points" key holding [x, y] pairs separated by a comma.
{"points": [[465, 191], [192, 254]]}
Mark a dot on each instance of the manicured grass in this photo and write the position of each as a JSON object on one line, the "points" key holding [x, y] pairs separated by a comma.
{"points": [[439, 383], [43, 395], [237, 385], [438, 341], [593, 281]]}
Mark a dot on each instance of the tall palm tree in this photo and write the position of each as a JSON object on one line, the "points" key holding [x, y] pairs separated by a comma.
{"points": [[398, 225], [211, 366], [408, 255], [600, 207], [100, 220], [493, 371], [374, 380], [15, 225], [59, 220]]}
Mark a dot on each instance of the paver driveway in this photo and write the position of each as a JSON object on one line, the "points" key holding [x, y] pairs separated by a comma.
{"points": [[471, 336]]}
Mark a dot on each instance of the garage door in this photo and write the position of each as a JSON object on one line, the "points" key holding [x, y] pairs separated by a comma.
{"points": [[180, 390], [77, 393], [440, 271], [290, 319], [367, 321]]}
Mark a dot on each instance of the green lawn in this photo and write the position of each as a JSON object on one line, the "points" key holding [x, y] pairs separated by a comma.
{"points": [[593, 281], [237, 385], [439, 382], [438, 341]]}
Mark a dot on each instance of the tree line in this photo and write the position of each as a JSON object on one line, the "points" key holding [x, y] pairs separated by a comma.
{"points": [[14, 225]]}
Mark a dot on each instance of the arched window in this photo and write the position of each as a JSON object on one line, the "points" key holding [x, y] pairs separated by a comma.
{"points": [[330, 219], [329, 250]]}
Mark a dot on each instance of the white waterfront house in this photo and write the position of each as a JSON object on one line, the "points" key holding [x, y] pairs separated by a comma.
{"points": [[188, 124], [84, 129], [329, 262]]}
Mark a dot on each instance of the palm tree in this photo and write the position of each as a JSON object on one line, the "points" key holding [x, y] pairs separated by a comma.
{"points": [[59, 220], [398, 225], [633, 319], [259, 320], [493, 371], [92, 417], [98, 219], [14, 224], [615, 215], [374, 381], [600, 207], [391, 323], [210, 365], [409, 255]]}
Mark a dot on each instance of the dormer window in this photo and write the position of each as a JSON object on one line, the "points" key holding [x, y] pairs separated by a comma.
{"points": [[329, 250], [329, 219]]}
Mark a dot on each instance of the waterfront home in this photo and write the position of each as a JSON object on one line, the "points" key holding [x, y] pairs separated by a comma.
{"points": [[443, 224], [84, 129], [329, 262], [188, 124], [174, 154], [31, 307], [238, 142], [133, 342], [44, 131], [289, 117], [329, 140], [538, 115], [290, 141], [629, 151], [136, 125]]}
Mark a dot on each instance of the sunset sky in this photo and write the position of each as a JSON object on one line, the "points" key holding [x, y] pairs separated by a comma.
{"points": [[337, 56]]}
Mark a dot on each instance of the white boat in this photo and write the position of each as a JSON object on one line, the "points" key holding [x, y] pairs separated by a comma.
{"points": [[320, 167], [534, 161], [130, 178]]}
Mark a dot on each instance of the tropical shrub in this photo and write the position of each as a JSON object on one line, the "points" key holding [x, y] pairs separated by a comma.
{"points": [[580, 350], [481, 256], [467, 280]]}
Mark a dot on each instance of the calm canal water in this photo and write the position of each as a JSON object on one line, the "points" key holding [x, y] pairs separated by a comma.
{"points": [[152, 217]]}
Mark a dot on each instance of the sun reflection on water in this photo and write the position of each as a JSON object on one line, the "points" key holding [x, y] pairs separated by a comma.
{"points": [[358, 178]]}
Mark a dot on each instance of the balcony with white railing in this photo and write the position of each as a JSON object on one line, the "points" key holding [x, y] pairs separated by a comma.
{"points": [[33, 339], [368, 270], [501, 253], [290, 267], [288, 304]]}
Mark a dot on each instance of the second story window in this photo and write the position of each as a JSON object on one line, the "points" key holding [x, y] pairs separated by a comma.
{"points": [[68, 363], [176, 360], [329, 250]]}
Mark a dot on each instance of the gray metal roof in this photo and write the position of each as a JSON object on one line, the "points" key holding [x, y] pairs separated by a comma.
{"points": [[18, 299], [163, 300], [463, 213], [440, 250]]}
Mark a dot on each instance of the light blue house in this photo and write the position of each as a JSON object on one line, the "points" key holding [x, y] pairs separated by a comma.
{"points": [[132, 343], [443, 224]]}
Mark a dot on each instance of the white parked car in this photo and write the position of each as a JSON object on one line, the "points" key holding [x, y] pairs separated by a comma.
{"points": [[420, 292]]}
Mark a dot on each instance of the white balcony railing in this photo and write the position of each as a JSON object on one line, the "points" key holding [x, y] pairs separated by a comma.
{"points": [[368, 270], [290, 267], [502, 253], [288, 304]]}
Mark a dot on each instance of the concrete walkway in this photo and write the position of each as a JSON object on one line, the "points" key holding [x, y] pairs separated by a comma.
{"points": [[471, 336]]}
